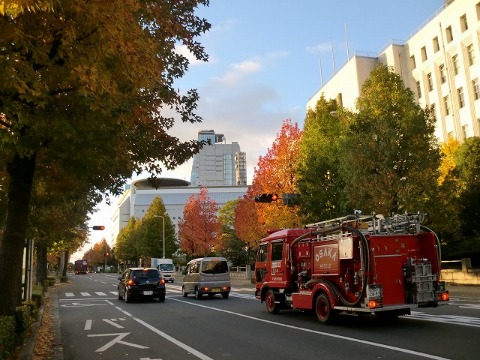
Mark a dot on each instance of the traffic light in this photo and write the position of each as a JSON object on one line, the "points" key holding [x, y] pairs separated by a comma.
{"points": [[266, 198], [98, 227]]}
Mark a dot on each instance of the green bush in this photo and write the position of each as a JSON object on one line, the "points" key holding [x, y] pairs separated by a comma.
{"points": [[23, 318], [50, 281], [7, 336], [64, 279]]}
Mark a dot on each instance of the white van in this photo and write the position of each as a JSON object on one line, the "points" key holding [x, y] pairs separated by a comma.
{"points": [[207, 275], [166, 267]]}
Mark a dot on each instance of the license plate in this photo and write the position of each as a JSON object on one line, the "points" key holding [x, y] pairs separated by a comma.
{"points": [[148, 293], [215, 290]]}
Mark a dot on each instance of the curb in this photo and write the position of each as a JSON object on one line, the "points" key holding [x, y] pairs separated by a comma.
{"points": [[30, 341]]}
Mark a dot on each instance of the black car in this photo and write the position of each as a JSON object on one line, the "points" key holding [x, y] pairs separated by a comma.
{"points": [[141, 283]]}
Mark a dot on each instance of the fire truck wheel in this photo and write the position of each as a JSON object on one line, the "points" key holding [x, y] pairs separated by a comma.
{"points": [[272, 306], [324, 312]]}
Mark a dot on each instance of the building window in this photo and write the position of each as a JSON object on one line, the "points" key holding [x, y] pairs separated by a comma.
{"points": [[412, 62], [465, 131], [464, 23], [446, 104], [476, 89], [419, 89], [430, 81], [461, 98], [436, 44], [443, 73], [449, 34], [456, 65], [424, 54], [471, 55]]}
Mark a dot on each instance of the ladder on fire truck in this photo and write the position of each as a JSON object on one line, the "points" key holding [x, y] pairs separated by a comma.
{"points": [[375, 223]]}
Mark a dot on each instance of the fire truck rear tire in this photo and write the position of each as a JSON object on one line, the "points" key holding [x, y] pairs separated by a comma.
{"points": [[325, 314], [272, 306]]}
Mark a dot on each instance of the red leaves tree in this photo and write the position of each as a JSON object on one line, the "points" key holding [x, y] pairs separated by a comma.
{"points": [[199, 231], [276, 173]]}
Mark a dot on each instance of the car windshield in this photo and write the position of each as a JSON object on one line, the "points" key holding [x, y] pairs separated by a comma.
{"points": [[214, 267], [166, 267], [146, 274]]}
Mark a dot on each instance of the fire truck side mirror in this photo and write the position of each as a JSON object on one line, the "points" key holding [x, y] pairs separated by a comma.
{"points": [[266, 198]]}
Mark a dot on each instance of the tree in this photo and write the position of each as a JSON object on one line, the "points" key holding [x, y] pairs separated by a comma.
{"points": [[199, 229], [391, 156], [246, 222], [231, 246], [276, 173], [151, 228], [14, 8], [320, 184], [126, 243], [91, 90], [467, 160]]}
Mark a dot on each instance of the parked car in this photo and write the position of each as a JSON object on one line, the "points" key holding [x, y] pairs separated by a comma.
{"points": [[208, 275], [138, 283]]}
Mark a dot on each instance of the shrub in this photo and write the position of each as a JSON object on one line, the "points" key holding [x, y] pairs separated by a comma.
{"points": [[7, 336], [23, 318]]}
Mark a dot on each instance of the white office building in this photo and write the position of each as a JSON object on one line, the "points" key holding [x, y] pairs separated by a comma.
{"points": [[175, 193], [440, 63], [218, 164]]}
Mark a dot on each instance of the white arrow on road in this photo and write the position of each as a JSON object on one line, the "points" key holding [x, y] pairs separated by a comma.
{"points": [[118, 339]]}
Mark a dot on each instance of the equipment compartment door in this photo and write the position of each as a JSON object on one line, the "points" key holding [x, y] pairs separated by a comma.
{"points": [[389, 271]]}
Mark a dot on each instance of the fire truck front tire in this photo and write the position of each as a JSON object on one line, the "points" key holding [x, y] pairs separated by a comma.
{"points": [[272, 306], [325, 314]]}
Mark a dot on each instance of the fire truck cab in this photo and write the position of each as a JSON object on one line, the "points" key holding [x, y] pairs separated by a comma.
{"points": [[354, 265]]}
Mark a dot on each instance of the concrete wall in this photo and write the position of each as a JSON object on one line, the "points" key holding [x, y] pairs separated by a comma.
{"points": [[464, 276]]}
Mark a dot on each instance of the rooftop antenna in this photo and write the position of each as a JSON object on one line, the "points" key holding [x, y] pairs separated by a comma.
{"points": [[346, 39], [320, 64], [333, 56]]}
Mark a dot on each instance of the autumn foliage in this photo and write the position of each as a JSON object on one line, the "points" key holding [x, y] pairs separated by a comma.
{"points": [[275, 173], [199, 229]]}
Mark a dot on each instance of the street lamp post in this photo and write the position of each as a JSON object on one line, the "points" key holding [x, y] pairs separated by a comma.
{"points": [[163, 232]]}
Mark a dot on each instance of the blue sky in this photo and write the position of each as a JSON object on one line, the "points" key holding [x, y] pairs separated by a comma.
{"points": [[264, 65]]}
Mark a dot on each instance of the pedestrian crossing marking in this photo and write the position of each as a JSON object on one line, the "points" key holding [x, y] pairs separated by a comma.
{"points": [[85, 294]]}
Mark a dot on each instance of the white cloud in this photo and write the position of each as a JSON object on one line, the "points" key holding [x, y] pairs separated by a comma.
{"points": [[239, 71]]}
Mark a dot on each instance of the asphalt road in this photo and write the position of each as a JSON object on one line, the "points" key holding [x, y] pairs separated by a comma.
{"points": [[94, 324]]}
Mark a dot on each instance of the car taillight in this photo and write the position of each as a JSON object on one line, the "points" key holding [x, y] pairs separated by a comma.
{"points": [[130, 282], [162, 282]]}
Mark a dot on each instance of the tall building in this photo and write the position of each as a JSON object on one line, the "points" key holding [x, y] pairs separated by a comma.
{"points": [[218, 164], [439, 63]]}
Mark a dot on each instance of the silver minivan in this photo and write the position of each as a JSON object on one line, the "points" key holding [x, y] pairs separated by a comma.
{"points": [[207, 275]]}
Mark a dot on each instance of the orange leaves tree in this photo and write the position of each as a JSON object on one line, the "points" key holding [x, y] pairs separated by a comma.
{"points": [[199, 229], [90, 90], [276, 173]]}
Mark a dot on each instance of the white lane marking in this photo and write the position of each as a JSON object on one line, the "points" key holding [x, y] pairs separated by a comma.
{"points": [[69, 294], [118, 326], [85, 294], [445, 319], [88, 325], [180, 344], [99, 293], [118, 339], [365, 342]]}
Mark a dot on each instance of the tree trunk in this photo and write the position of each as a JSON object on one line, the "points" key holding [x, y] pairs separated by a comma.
{"points": [[12, 241], [65, 263], [41, 270]]}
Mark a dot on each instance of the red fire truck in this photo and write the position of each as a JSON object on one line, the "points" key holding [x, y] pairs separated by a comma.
{"points": [[353, 265]]}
